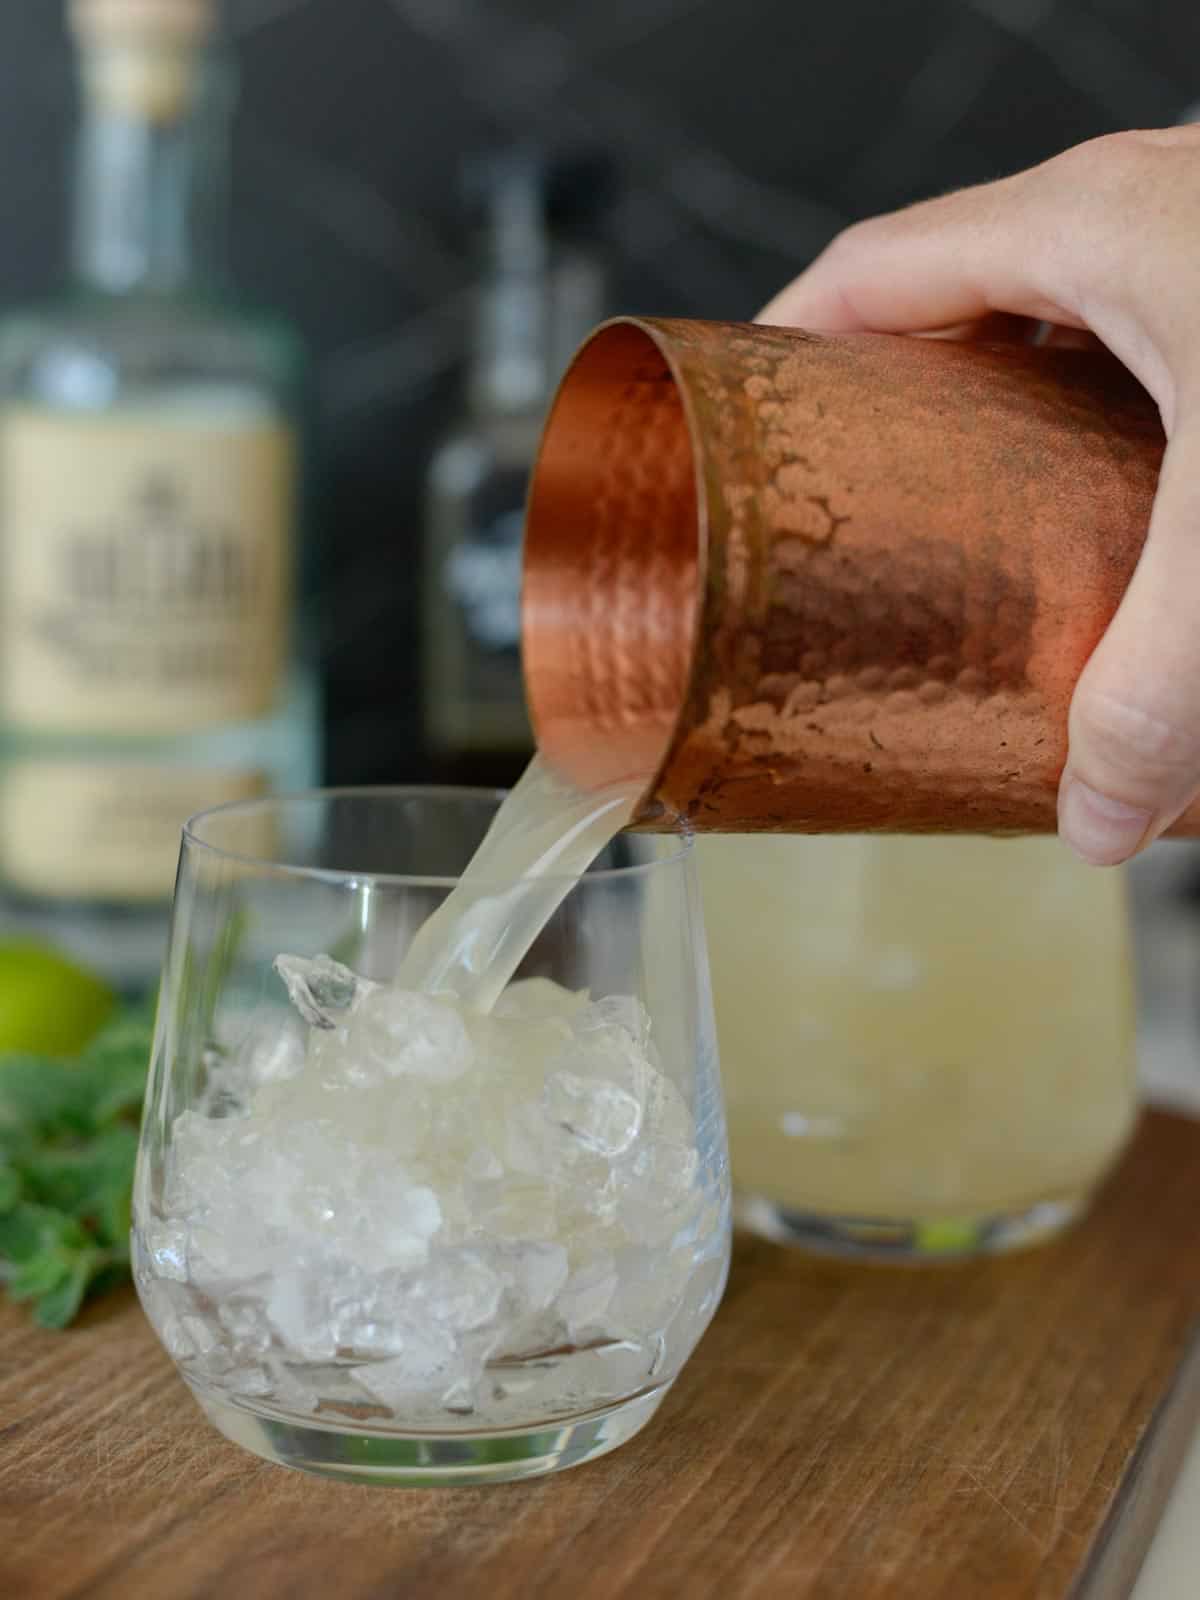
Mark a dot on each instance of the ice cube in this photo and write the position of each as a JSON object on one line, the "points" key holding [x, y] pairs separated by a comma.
{"points": [[365, 1317], [252, 1381], [601, 1116], [166, 1248], [460, 1397], [460, 1291], [322, 989], [204, 1339], [621, 1011], [616, 1369], [537, 1272], [534, 1272], [512, 1208], [606, 1055], [170, 1329], [587, 1207], [667, 1170], [608, 1051], [658, 1192], [358, 1096], [539, 997], [299, 1305], [273, 1050], [331, 1062], [428, 1362], [584, 1297], [299, 1181], [394, 1220], [665, 1114], [288, 1388], [516, 1053], [225, 1086], [217, 1259], [166, 1303], [405, 1118], [524, 1140], [204, 1188], [244, 1319], [337, 1388], [649, 1290], [402, 1032]]}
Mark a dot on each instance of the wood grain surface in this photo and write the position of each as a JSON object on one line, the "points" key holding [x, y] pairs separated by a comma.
{"points": [[1005, 1430]]}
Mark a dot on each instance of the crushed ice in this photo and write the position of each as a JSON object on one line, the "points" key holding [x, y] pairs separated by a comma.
{"points": [[410, 1199]]}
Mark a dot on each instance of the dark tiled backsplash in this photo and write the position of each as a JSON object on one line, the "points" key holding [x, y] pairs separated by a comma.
{"points": [[747, 131]]}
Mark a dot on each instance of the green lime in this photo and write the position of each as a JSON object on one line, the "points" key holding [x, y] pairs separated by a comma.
{"points": [[951, 1236], [48, 1005]]}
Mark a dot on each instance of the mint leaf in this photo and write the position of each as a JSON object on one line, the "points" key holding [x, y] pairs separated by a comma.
{"points": [[68, 1144], [88, 1181], [117, 1061], [26, 1232], [30, 1232], [41, 1275], [42, 1095], [53, 1261], [60, 1306]]}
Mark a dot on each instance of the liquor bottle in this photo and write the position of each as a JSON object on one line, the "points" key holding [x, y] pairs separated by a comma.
{"points": [[543, 287], [149, 509]]}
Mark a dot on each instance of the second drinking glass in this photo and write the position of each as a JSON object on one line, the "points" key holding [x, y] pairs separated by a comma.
{"points": [[927, 1044]]}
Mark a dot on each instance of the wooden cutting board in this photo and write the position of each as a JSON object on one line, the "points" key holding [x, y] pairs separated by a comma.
{"points": [[1005, 1430]]}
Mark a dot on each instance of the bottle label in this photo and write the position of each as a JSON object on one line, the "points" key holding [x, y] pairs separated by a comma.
{"points": [[90, 831], [483, 573], [145, 570], [480, 700]]}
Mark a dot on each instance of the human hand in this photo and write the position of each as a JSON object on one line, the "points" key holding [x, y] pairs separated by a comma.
{"points": [[1103, 241]]}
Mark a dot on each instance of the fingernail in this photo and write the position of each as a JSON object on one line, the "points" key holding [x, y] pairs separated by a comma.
{"points": [[1101, 830]]}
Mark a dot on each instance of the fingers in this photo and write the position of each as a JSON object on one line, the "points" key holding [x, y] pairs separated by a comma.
{"points": [[944, 262], [1098, 241], [1134, 761]]}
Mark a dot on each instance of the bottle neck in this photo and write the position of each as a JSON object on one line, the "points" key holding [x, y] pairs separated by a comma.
{"points": [[510, 371], [149, 201]]}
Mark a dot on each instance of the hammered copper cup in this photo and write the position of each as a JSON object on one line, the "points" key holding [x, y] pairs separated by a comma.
{"points": [[823, 584]]}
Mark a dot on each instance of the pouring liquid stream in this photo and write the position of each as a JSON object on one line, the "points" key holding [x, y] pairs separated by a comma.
{"points": [[544, 836]]}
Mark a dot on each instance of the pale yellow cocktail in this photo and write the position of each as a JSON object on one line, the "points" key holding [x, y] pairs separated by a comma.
{"points": [[927, 1044]]}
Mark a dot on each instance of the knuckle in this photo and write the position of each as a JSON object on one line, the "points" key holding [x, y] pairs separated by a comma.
{"points": [[1108, 154], [1129, 166], [1132, 740], [1102, 179], [850, 244]]}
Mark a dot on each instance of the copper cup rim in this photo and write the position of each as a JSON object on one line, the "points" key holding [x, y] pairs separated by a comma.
{"points": [[654, 332]]}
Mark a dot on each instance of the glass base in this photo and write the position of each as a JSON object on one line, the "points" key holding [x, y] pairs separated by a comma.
{"points": [[426, 1460], [940, 1239]]}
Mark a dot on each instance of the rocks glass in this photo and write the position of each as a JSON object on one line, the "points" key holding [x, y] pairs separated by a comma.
{"points": [[388, 1239]]}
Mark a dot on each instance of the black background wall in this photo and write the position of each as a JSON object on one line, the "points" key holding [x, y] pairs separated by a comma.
{"points": [[748, 131]]}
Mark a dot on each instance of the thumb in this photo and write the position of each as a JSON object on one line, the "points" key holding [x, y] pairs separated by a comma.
{"points": [[1134, 757]]}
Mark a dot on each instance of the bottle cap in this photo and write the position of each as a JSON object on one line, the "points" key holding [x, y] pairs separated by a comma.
{"points": [[140, 55], [148, 21], [574, 185]]}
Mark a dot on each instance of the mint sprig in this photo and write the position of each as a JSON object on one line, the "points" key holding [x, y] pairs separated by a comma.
{"points": [[68, 1142]]}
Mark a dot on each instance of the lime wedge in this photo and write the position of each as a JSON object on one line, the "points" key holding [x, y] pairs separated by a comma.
{"points": [[953, 1236], [48, 1005]]}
